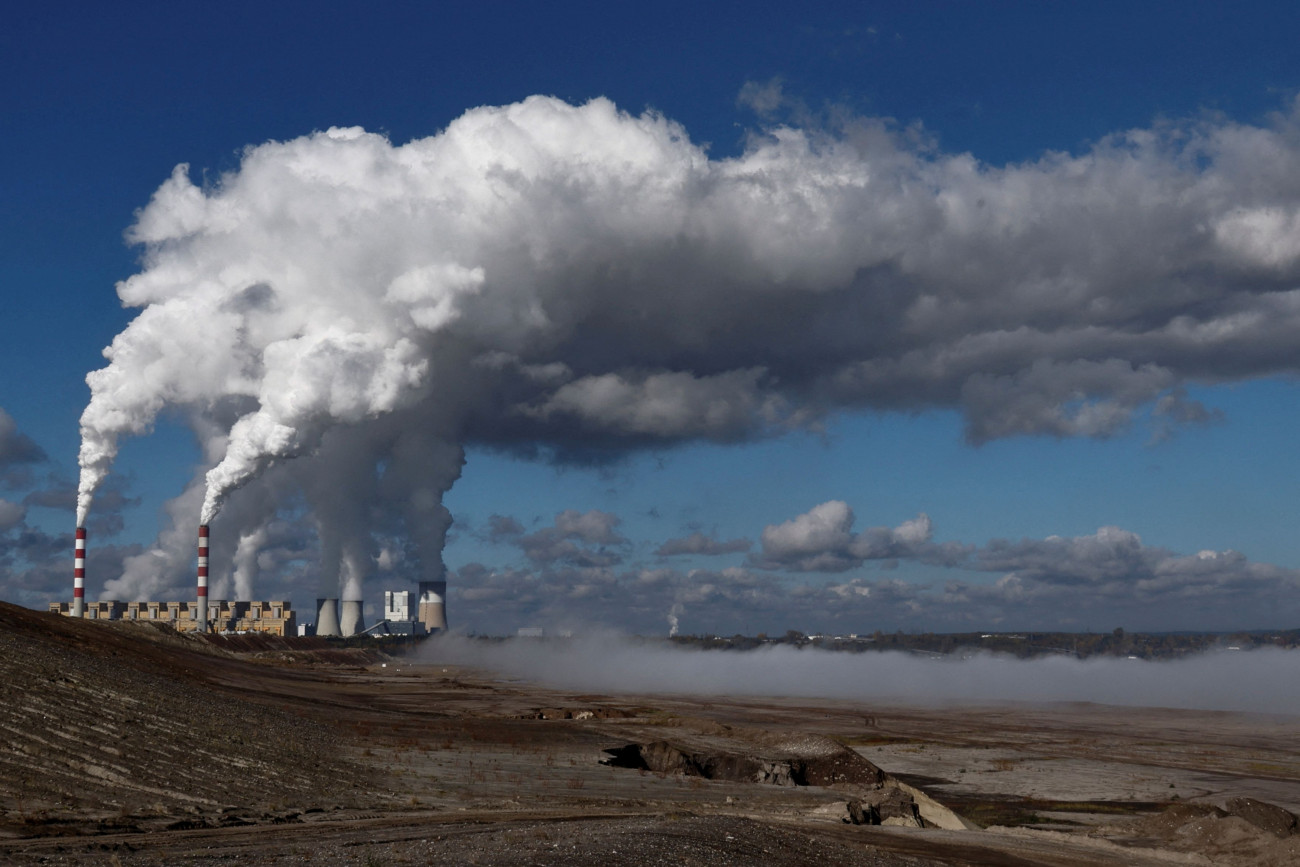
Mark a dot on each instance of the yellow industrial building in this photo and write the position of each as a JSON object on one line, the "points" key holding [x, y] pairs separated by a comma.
{"points": [[274, 617]]}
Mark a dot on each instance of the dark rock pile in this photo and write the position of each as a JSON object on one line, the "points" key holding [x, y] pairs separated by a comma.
{"points": [[840, 765], [888, 807]]}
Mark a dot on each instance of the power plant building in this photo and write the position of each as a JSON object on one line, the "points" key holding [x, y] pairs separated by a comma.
{"points": [[399, 615], [404, 612], [399, 605], [273, 617]]}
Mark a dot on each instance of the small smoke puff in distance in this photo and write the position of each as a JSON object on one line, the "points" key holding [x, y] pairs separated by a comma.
{"points": [[1252, 681]]}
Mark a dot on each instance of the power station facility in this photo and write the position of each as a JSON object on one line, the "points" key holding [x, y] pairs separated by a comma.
{"points": [[404, 612]]}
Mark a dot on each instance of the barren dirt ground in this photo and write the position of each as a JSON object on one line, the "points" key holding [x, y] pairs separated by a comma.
{"points": [[124, 744]]}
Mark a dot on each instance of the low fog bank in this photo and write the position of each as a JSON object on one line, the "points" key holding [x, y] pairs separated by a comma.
{"points": [[1253, 681]]}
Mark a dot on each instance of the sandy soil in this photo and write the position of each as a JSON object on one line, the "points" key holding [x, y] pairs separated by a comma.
{"points": [[126, 745]]}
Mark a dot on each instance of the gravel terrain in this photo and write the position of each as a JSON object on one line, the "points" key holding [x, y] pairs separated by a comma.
{"points": [[129, 744]]}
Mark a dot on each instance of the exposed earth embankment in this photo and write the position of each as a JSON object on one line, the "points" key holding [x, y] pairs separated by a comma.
{"points": [[130, 744]]}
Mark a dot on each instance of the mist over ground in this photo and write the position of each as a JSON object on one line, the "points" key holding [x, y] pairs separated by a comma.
{"points": [[1255, 681]]}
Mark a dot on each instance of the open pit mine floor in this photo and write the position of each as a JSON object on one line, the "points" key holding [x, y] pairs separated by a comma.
{"points": [[130, 744]]}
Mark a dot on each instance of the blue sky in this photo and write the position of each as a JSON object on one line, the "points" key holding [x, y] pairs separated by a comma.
{"points": [[100, 105]]}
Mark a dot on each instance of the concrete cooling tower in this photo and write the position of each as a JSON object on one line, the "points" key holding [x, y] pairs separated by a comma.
{"points": [[351, 620], [433, 606], [327, 617]]}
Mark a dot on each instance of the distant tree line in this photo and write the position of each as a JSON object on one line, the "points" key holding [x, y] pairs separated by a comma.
{"points": [[1025, 645]]}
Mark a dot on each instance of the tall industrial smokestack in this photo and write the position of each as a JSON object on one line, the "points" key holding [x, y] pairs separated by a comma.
{"points": [[327, 617], [350, 617], [79, 575], [202, 613], [433, 607]]}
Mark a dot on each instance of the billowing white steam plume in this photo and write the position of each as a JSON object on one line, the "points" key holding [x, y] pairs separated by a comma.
{"points": [[245, 563], [585, 280]]}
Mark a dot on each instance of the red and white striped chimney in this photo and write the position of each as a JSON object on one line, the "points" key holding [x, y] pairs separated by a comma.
{"points": [[202, 614], [79, 575]]}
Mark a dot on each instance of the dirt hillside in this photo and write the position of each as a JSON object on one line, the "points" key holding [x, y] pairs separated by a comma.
{"points": [[130, 744], [131, 726]]}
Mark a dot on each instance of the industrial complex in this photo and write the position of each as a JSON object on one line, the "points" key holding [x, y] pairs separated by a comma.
{"points": [[405, 612], [275, 617]]}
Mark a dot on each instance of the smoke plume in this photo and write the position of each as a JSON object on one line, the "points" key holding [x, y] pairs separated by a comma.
{"points": [[245, 565], [585, 281]]}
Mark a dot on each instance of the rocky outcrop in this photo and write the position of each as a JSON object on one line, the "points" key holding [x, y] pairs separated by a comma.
{"points": [[661, 757], [889, 806], [831, 767], [805, 761], [893, 804], [862, 814]]}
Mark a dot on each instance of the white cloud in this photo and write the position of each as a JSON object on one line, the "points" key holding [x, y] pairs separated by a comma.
{"points": [[1268, 236], [822, 540]]}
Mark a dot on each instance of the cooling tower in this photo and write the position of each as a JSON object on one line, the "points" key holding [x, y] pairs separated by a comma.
{"points": [[350, 617], [327, 617], [79, 575], [433, 606], [201, 612]]}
